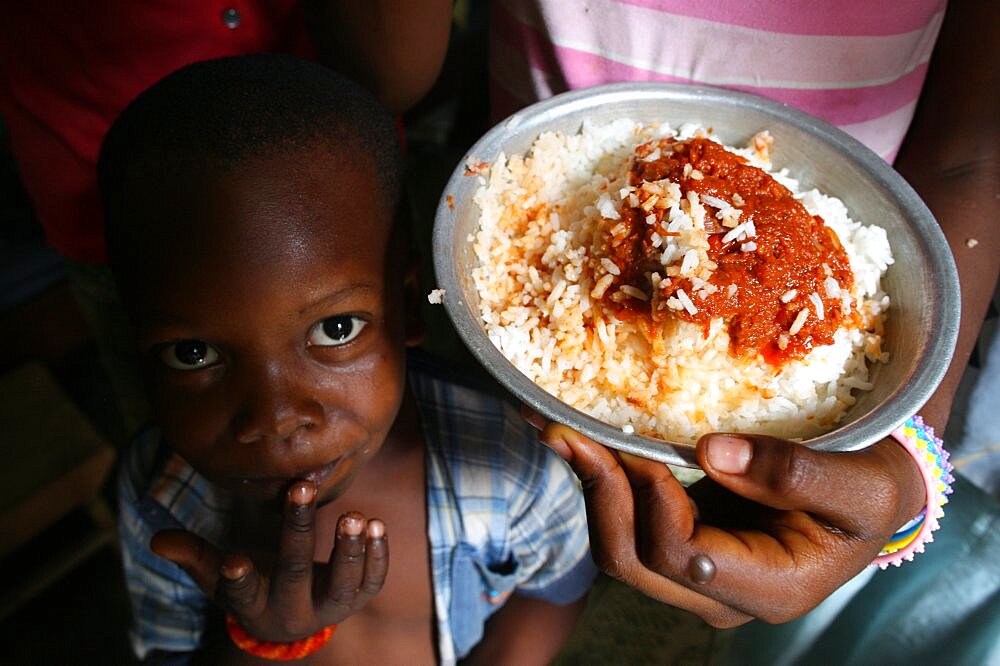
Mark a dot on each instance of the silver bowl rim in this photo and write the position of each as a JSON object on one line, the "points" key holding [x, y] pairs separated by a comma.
{"points": [[944, 299]]}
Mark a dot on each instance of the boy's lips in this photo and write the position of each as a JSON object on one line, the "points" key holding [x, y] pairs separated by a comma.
{"points": [[315, 476]]}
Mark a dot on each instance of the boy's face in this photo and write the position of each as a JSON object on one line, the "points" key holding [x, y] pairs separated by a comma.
{"points": [[270, 320]]}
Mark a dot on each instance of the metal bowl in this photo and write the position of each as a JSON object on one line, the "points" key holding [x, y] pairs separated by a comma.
{"points": [[923, 284]]}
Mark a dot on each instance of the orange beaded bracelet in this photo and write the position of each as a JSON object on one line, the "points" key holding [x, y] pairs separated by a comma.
{"points": [[277, 651]]}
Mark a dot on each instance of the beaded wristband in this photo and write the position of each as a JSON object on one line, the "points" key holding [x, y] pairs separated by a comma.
{"points": [[928, 451], [277, 651]]}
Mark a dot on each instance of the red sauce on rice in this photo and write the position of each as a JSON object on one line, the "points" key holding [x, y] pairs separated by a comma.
{"points": [[778, 273]]}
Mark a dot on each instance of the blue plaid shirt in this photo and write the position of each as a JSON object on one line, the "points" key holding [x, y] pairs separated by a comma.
{"points": [[504, 515]]}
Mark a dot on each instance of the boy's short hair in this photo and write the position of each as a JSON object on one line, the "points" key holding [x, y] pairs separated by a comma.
{"points": [[236, 108]]}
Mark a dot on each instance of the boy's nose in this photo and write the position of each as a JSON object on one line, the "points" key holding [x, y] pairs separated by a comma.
{"points": [[276, 408]]}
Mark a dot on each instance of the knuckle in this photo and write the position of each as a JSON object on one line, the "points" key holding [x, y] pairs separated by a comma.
{"points": [[378, 558], [300, 520], [371, 587], [241, 593], [353, 559], [295, 571], [612, 566], [239, 603], [621, 571], [596, 472], [344, 594], [655, 559], [875, 518], [794, 473], [350, 545], [887, 500], [652, 491]]}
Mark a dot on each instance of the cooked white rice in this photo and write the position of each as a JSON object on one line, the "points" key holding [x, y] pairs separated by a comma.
{"points": [[541, 277]]}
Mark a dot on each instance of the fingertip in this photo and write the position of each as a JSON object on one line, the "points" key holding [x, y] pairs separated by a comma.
{"points": [[562, 439], [726, 453], [351, 524], [590, 461], [566, 442], [559, 446], [376, 529], [235, 567], [536, 420], [164, 543], [157, 544], [301, 493]]}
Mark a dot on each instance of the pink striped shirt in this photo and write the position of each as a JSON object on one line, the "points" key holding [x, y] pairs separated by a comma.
{"points": [[858, 64]]}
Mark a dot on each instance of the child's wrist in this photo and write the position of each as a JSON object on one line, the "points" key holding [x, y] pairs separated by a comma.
{"points": [[927, 450], [908, 479], [274, 650]]}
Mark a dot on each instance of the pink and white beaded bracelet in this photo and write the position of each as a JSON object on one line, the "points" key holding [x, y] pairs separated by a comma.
{"points": [[928, 451]]}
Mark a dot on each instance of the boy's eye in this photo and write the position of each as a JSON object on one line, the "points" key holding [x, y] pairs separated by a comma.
{"points": [[189, 355], [335, 331]]}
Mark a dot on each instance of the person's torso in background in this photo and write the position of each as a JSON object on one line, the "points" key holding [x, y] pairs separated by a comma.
{"points": [[67, 69], [859, 65]]}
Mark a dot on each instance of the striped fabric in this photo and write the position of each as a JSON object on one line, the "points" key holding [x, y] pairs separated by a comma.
{"points": [[859, 65], [505, 515]]}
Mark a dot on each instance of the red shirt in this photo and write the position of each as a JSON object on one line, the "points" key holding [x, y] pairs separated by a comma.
{"points": [[68, 68]]}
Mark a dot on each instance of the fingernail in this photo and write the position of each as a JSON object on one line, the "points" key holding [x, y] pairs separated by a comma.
{"points": [[302, 493], [351, 524], [560, 447], [376, 529], [729, 454], [234, 570], [701, 568]]}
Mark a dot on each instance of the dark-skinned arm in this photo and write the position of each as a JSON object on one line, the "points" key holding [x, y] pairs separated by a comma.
{"points": [[395, 49], [781, 525], [951, 157], [526, 631]]}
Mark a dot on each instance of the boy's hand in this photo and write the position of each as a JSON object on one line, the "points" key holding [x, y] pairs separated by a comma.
{"points": [[296, 598], [772, 530]]}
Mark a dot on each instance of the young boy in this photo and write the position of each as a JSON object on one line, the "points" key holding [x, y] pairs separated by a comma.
{"points": [[250, 205]]}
